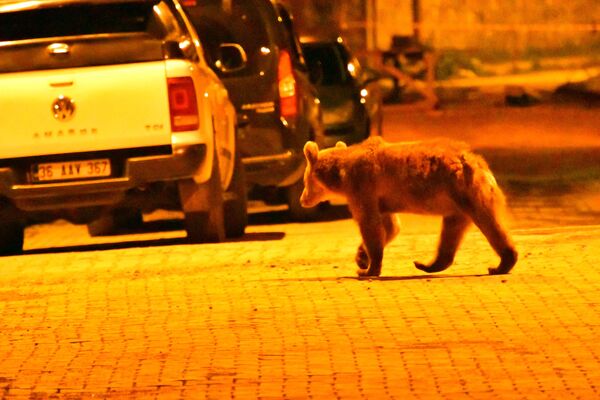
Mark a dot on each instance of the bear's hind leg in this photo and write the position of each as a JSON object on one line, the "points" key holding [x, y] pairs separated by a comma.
{"points": [[508, 258], [497, 235], [453, 230]]}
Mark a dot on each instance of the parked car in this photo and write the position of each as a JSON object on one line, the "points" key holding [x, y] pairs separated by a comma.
{"points": [[272, 93], [351, 98], [110, 110]]}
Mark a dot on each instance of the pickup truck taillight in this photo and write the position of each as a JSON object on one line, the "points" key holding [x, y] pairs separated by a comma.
{"points": [[183, 106], [288, 101]]}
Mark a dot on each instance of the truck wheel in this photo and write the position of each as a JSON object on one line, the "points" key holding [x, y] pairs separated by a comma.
{"points": [[236, 201], [202, 205], [12, 234], [117, 219], [296, 211]]}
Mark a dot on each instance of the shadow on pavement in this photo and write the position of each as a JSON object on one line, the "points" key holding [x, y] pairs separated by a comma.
{"points": [[327, 213], [151, 227], [108, 246], [388, 278], [415, 277], [166, 225], [259, 237]]}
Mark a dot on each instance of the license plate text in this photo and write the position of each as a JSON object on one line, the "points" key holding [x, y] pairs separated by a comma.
{"points": [[71, 170]]}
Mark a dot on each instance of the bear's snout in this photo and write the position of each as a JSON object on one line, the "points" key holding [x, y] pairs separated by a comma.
{"points": [[308, 201], [303, 199]]}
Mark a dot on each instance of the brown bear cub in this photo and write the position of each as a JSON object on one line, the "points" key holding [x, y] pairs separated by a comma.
{"points": [[378, 179]]}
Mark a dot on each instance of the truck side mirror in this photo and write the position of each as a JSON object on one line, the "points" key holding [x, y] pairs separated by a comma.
{"points": [[231, 58]]}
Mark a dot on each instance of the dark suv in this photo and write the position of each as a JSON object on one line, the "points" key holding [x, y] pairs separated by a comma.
{"points": [[276, 103], [351, 96]]}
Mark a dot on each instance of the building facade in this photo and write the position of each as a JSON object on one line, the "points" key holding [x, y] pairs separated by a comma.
{"points": [[510, 26]]}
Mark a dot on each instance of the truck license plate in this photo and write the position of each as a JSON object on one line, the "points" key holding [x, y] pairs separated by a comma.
{"points": [[59, 171]]}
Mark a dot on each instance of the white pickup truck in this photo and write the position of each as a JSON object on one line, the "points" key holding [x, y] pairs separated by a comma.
{"points": [[109, 110]]}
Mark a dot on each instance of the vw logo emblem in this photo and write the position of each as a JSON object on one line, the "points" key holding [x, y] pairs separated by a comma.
{"points": [[63, 108]]}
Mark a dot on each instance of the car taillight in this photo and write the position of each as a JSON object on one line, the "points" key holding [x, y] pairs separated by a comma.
{"points": [[288, 101], [183, 106]]}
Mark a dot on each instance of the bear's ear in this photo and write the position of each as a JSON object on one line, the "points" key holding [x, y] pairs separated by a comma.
{"points": [[340, 145], [311, 152]]}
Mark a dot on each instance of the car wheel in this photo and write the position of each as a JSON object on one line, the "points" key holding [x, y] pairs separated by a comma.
{"points": [[202, 206], [296, 211], [12, 234], [116, 220], [235, 206]]}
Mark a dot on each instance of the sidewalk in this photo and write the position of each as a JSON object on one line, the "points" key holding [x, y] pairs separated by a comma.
{"points": [[541, 80], [491, 124], [552, 140]]}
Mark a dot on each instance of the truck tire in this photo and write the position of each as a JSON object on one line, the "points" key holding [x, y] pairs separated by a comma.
{"points": [[12, 234], [235, 207], [296, 211], [202, 206]]}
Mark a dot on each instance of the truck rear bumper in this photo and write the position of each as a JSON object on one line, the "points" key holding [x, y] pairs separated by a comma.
{"points": [[138, 172]]}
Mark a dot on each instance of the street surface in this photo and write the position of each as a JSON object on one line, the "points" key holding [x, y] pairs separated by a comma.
{"points": [[281, 314]]}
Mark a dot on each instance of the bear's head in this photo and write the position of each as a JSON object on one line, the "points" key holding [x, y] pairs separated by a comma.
{"points": [[315, 190]]}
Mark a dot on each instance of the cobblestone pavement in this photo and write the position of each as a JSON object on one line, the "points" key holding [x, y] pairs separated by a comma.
{"points": [[280, 314]]}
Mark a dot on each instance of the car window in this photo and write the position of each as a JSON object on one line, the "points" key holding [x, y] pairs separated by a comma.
{"points": [[175, 28], [231, 21], [80, 19], [328, 61], [95, 33]]}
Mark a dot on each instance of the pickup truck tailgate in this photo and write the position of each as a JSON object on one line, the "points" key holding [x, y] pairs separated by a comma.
{"points": [[84, 109]]}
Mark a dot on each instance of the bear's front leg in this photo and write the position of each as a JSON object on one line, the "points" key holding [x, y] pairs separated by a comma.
{"points": [[362, 258], [375, 257], [391, 226], [372, 230]]}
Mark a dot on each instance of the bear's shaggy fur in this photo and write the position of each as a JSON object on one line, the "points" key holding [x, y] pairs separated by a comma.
{"points": [[378, 179]]}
